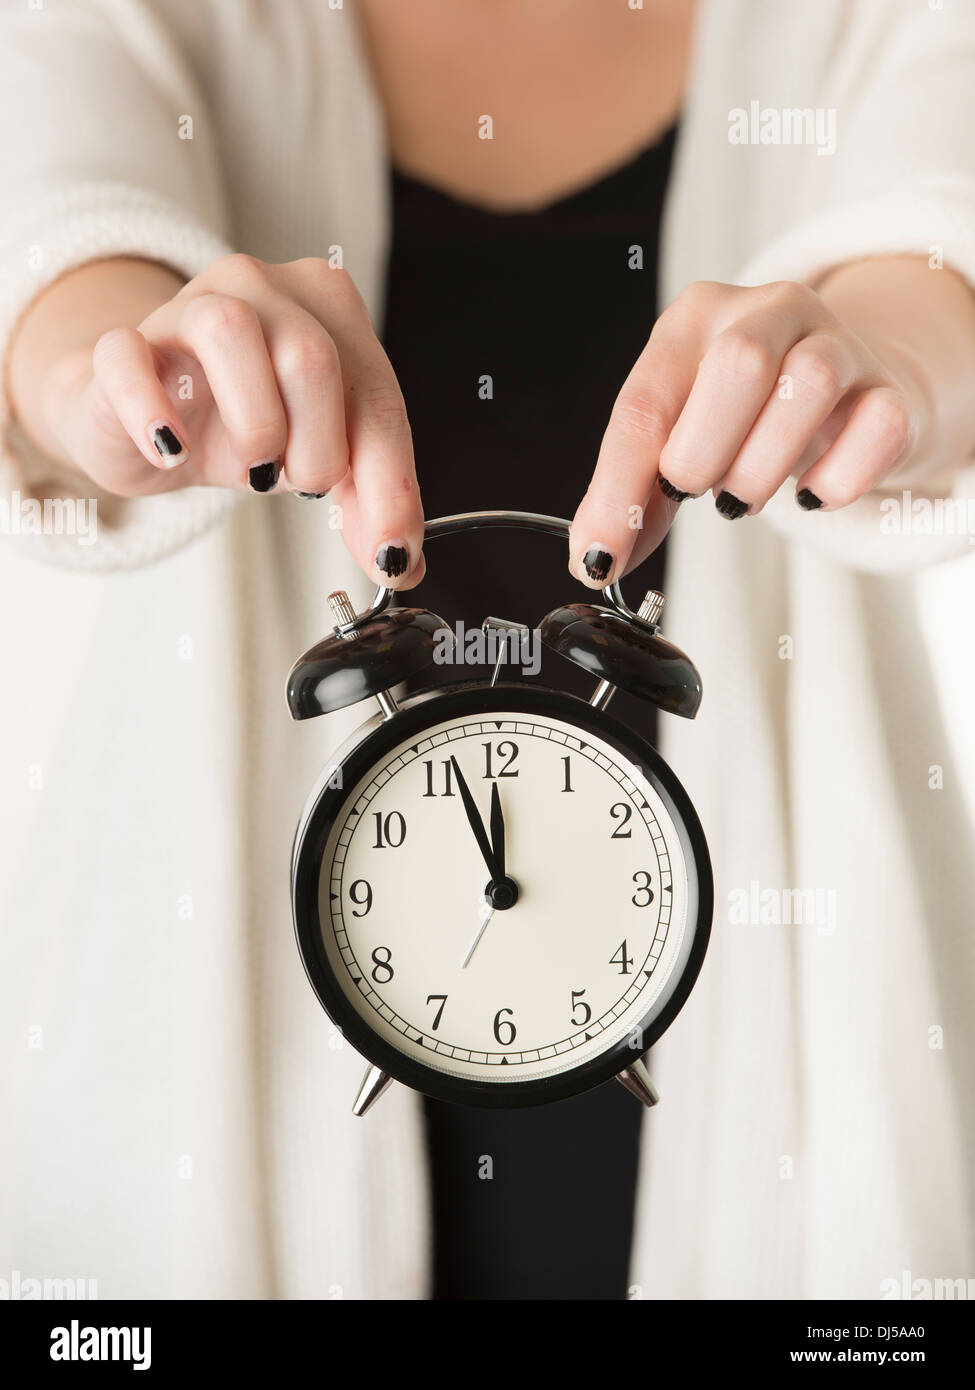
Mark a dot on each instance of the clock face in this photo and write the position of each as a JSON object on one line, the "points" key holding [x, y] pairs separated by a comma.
{"points": [[556, 963]]}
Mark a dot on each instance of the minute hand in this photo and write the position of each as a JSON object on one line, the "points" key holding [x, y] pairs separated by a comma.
{"points": [[476, 824]]}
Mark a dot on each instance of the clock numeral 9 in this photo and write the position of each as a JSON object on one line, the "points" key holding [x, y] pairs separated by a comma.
{"points": [[390, 830], [357, 896], [622, 959], [505, 749], [621, 812], [504, 1023], [579, 1003], [382, 970], [642, 888]]}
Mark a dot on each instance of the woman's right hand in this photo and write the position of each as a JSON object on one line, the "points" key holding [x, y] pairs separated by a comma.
{"points": [[279, 381]]}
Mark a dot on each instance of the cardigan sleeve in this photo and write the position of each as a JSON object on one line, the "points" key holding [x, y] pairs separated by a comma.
{"points": [[94, 101], [901, 181]]}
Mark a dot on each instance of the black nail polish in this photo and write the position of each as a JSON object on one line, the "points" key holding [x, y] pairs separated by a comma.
{"points": [[263, 476], [310, 495], [597, 563], [731, 506], [668, 490], [808, 501], [166, 442], [393, 560]]}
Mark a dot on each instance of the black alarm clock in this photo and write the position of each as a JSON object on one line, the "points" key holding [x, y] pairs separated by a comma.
{"points": [[502, 895]]}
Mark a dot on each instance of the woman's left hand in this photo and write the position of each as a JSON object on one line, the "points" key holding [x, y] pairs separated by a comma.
{"points": [[738, 391]]}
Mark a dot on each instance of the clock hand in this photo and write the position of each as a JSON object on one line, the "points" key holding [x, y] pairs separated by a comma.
{"points": [[475, 822], [487, 912], [497, 830]]}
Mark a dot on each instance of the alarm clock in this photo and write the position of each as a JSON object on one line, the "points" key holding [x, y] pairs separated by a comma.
{"points": [[502, 895]]}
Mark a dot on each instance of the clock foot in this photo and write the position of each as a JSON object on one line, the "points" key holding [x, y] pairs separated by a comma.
{"points": [[637, 1081], [374, 1083]]}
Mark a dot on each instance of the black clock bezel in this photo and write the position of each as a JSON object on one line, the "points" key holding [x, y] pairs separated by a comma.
{"points": [[413, 716]]}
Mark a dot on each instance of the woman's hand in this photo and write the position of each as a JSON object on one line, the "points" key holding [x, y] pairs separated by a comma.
{"points": [[279, 381], [737, 392]]}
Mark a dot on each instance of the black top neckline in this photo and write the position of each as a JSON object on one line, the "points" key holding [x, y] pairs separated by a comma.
{"points": [[609, 188]]}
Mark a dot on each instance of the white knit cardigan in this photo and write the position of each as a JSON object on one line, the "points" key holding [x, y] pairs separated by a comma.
{"points": [[174, 1106]]}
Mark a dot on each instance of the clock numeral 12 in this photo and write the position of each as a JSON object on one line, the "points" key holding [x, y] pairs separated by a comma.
{"points": [[505, 749]]}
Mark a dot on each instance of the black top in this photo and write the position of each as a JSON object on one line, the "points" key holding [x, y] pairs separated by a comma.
{"points": [[511, 335]]}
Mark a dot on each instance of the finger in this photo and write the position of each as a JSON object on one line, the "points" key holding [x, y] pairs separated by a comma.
{"points": [[309, 378], [124, 371], [733, 383], [611, 516], [877, 437], [226, 337], [356, 532], [816, 374], [388, 535]]}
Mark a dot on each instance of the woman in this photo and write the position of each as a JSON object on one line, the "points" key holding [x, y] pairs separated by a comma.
{"points": [[178, 1119]]}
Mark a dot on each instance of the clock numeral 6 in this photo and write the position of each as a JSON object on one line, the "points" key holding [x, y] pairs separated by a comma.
{"points": [[361, 897], [642, 888], [504, 1023], [579, 1003], [382, 970], [390, 830], [505, 749], [622, 959], [621, 812]]}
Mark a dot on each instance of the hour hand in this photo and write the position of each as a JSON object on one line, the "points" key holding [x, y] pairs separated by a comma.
{"points": [[475, 822]]}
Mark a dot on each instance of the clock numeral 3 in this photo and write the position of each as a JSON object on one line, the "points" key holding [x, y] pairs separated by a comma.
{"points": [[504, 1023], [579, 1003], [382, 970], [390, 830], [621, 812], [366, 898], [642, 888], [622, 959], [505, 749]]}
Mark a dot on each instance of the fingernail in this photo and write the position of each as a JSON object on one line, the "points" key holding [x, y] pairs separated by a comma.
{"points": [[263, 476], [668, 490], [309, 495], [731, 506], [393, 558], [167, 445], [808, 501], [597, 562]]}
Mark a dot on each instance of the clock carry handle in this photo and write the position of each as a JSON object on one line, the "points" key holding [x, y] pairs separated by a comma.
{"points": [[477, 521]]}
